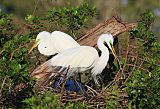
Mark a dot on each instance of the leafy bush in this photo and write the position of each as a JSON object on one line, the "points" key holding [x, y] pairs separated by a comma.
{"points": [[45, 101], [51, 101], [112, 97], [73, 18], [14, 66], [144, 86], [7, 28]]}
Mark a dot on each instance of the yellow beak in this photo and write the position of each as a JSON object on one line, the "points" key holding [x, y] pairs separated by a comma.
{"points": [[34, 46], [114, 54], [113, 51]]}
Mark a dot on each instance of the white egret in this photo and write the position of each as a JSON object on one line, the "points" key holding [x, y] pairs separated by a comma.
{"points": [[82, 58], [52, 43]]}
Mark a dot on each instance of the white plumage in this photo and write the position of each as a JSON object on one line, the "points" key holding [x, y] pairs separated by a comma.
{"points": [[83, 58], [52, 43], [63, 41]]}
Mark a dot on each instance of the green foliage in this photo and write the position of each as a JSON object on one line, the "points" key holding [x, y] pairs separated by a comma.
{"points": [[7, 28], [74, 18], [45, 101], [50, 101], [77, 105], [147, 39], [35, 24], [112, 97], [14, 68], [32, 19], [143, 30], [144, 90], [14, 62], [144, 86]]}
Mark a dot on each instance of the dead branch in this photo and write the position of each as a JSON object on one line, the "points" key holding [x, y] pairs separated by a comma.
{"points": [[113, 26]]}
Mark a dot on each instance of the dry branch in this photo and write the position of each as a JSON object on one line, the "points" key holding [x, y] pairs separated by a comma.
{"points": [[114, 26]]}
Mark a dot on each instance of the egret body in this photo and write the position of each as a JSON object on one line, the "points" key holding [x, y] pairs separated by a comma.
{"points": [[83, 58]]}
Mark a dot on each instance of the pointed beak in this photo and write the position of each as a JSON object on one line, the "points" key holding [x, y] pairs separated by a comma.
{"points": [[114, 54], [113, 51], [34, 46]]}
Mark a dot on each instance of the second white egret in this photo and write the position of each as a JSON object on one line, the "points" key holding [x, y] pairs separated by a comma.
{"points": [[82, 58]]}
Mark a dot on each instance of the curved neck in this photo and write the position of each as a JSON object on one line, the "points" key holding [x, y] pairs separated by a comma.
{"points": [[104, 53], [102, 61], [102, 47]]}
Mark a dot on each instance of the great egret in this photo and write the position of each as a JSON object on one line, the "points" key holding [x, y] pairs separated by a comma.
{"points": [[82, 58], [52, 43]]}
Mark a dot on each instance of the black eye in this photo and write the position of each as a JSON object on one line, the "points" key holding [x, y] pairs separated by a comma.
{"points": [[45, 47], [104, 42]]}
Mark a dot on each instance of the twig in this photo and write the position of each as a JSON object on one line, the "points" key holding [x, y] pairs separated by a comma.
{"points": [[111, 83], [1, 51], [145, 60], [148, 61], [29, 26], [92, 90], [4, 80], [119, 20], [15, 51], [73, 35], [138, 67], [126, 57], [121, 70], [74, 100], [79, 86], [35, 7], [130, 74]]}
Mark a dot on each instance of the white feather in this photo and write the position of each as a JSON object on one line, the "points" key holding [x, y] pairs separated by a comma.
{"points": [[63, 41], [55, 42], [77, 57]]}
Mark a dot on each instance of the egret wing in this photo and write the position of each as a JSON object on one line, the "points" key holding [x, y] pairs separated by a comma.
{"points": [[78, 57], [63, 41]]}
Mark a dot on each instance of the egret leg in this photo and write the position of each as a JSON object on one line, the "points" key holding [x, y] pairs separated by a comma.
{"points": [[64, 82], [75, 82], [96, 80], [97, 85], [79, 76], [62, 77], [60, 81], [83, 91], [91, 90]]}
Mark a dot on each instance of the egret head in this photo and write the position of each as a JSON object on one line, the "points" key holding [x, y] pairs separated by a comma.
{"points": [[108, 39], [46, 48], [44, 43], [42, 36]]}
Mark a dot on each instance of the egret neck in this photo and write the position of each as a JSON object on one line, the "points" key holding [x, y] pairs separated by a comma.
{"points": [[104, 53]]}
